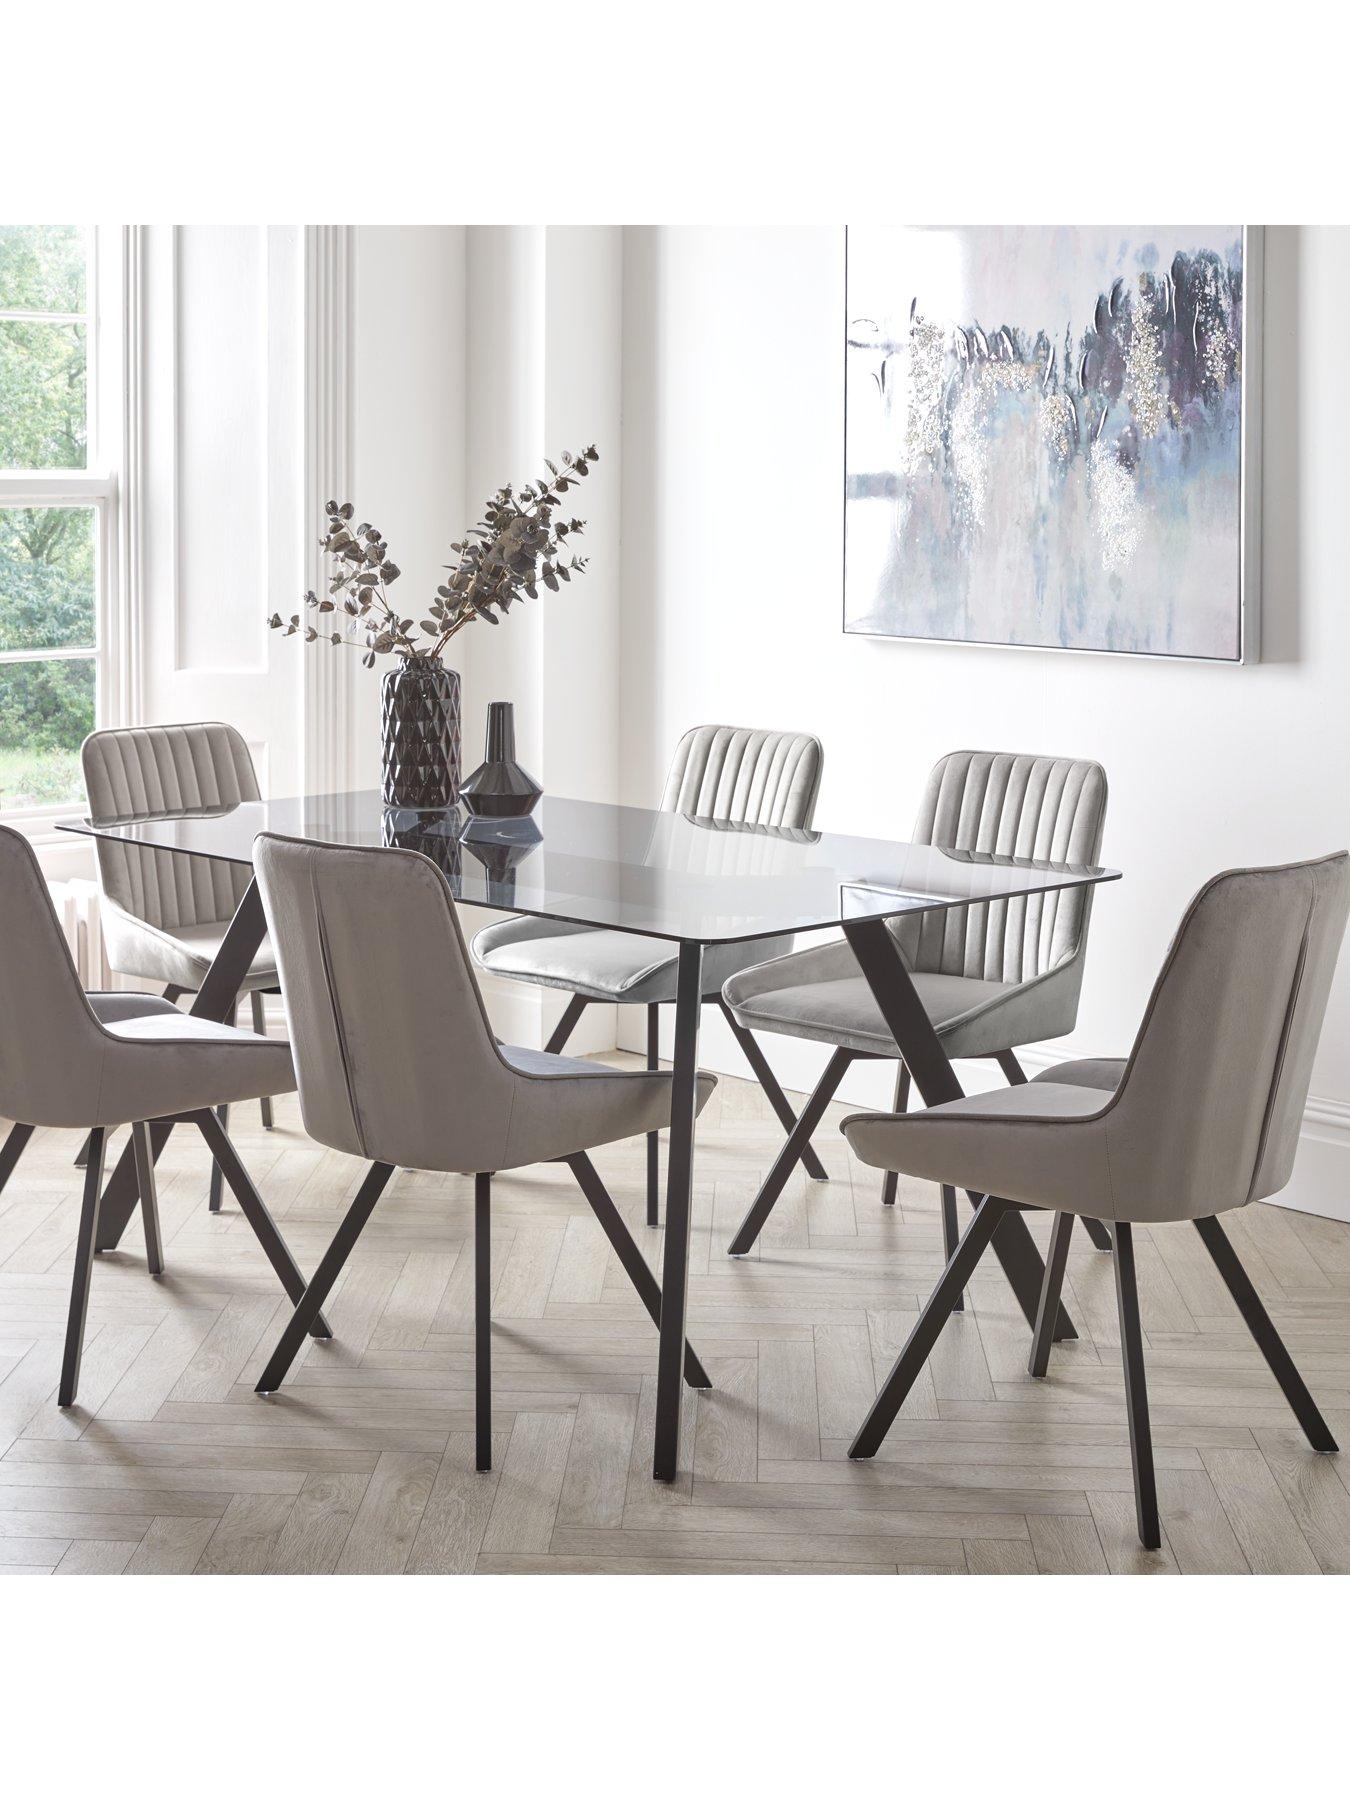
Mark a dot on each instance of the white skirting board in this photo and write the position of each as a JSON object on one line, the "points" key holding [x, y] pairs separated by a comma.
{"points": [[1321, 1179]]}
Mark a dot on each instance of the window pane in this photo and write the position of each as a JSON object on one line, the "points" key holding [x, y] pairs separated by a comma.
{"points": [[46, 577], [43, 396], [46, 712], [42, 268]]}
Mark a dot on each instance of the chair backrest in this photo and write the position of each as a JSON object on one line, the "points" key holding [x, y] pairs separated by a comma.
{"points": [[1047, 807], [745, 777], [164, 769], [49, 1039], [1213, 1093], [394, 1056]]}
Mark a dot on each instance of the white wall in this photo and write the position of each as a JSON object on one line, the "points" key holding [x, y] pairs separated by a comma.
{"points": [[732, 558]]}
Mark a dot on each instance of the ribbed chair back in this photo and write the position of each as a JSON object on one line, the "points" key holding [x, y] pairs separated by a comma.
{"points": [[744, 777], [159, 769], [1048, 808]]}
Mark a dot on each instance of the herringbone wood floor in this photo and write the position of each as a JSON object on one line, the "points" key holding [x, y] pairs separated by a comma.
{"points": [[171, 1464]]}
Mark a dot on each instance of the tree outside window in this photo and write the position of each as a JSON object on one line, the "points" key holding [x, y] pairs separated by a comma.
{"points": [[48, 550]]}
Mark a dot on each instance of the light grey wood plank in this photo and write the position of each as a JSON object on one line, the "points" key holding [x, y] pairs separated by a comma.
{"points": [[456, 1515], [535, 1465], [726, 1436], [789, 1416], [97, 1556], [246, 1535], [172, 1546], [316, 1528], [1066, 1544], [1261, 1520], [391, 1510], [596, 1480]]}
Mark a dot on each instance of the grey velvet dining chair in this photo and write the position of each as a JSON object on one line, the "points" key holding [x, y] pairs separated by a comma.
{"points": [[991, 977], [164, 916], [91, 1062], [724, 773], [397, 1064], [1202, 1117]]}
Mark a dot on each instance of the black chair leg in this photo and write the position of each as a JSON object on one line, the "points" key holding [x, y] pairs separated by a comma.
{"points": [[145, 1183], [989, 1214], [566, 1025], [890, 1185], [84, 1266], [653, 1137], [1100, 1236], [482, 1320], [261, 1222], [307, 1313], [773, 1092], [788, 1157], [951, 1236], [1268, 1340], [217, 1188], [1042, 1335], [12, 1150], [634, 1263], [1136, 1390], [259, 1009]]}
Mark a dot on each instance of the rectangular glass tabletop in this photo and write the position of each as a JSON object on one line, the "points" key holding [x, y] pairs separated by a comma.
{"points": [[661, 874]]}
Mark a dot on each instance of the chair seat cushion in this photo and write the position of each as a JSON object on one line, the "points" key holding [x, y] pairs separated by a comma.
{"points": [[1104, 1072], [603, 964], [1041, 1143], [165, 1062], [843, 1011], [179, 957], [617, 967]]}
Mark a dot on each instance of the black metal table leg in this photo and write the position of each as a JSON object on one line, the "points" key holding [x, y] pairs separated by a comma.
{"points": [[84, 1265], [883, 967], [217, 1191], [566, 1025], [145, 1181], [307, 1314], [989, 1215], [773, 1092], [11, 1150], [482, 1321], [789, 1156], [634, 1263], [1060, 1233], [890, 1185], [215, 999], [679, 1212], [653, 1137], [260, 1221]]}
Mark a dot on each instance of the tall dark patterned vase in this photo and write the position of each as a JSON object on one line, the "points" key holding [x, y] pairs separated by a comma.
{"points": [[420, 717]]}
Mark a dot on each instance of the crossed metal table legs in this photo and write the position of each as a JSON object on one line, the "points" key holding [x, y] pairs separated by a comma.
{"points": [[879, 959], [886, 975], [216, 999]]}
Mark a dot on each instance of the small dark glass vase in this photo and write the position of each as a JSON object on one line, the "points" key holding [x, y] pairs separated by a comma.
{"points": [[499, 788], [420, 720]]}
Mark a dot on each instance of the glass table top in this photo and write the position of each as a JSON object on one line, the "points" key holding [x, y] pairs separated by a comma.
{"points": [[625, 868]]}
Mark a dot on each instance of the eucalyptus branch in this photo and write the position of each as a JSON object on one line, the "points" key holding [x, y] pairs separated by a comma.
{"points": [[517, 547]]}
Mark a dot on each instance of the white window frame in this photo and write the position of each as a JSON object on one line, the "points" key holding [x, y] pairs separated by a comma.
{"points": [[96, 486]]}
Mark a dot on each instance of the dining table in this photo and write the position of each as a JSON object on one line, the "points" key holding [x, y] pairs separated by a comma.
{"points": [[691, 882]]}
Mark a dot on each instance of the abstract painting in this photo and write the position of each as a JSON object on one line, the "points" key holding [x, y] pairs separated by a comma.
{"points": [[1050, 437]]}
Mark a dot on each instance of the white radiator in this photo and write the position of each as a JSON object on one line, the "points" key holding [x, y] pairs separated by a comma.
{"points": [[76, 904]]}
